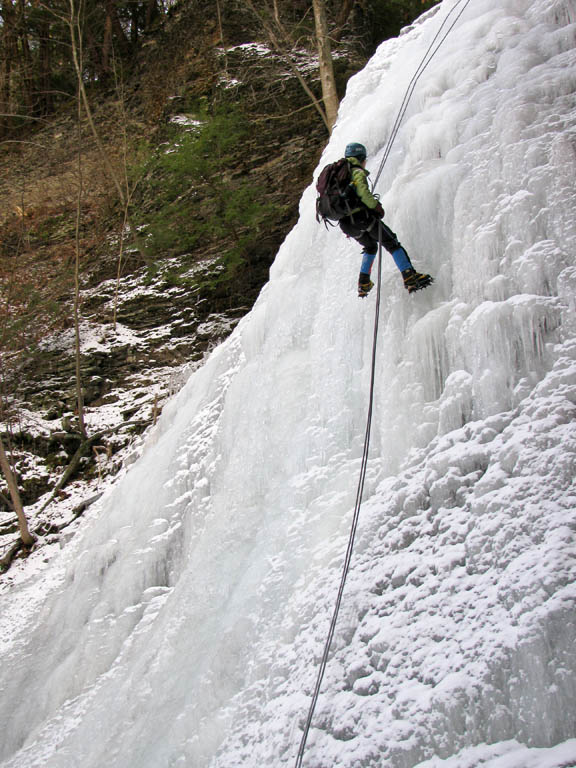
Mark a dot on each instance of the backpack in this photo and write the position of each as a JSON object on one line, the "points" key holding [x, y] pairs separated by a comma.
{"points": [[336, 196]]}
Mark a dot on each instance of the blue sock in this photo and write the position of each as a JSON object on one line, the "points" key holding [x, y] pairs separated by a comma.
{"points": [[367, 261], [401, 258]]}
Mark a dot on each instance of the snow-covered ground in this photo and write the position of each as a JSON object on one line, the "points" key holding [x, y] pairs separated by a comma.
{"points": [[184, 623]]}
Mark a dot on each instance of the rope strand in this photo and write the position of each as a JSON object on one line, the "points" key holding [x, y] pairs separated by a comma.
{"points": [[428, 56], [355, 517], [426, 59]]}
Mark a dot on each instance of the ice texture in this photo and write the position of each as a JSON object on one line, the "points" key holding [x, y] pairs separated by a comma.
{"points": [[184, 624]]}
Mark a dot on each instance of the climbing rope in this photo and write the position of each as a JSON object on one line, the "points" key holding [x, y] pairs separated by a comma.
{"points": [[355, 517], [428, 56], [426, 59]]}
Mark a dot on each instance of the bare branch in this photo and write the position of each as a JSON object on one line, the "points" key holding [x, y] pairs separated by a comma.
{"points": [[82, 450], [282, 50]]}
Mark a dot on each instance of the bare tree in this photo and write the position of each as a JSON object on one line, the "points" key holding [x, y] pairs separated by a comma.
{"points": [[279, 40], [8, 40], [342, 17], [129, 185], [124, 194], [77, 355], [25, 535], [327, 79]]}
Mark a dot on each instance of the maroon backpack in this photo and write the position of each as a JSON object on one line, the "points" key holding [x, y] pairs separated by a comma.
{"points": [[336, 197]]}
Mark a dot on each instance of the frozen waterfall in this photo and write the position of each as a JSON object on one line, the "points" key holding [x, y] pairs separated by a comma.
{"points": [[182, 627]]}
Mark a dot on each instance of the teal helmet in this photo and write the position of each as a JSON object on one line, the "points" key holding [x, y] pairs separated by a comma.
{"points": [[356, 150]]}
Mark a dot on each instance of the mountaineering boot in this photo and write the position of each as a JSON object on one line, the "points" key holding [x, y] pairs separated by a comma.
{"points": [[415, 281], [365, 285]]}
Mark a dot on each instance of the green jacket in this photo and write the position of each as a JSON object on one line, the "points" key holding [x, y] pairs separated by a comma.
{"points": [[360, 184]]}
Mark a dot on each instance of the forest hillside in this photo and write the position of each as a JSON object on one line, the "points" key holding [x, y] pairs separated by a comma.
{"points": [[151, 158]]}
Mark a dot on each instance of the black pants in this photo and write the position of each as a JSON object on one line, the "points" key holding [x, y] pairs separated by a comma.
{"points": [[363, 227]]}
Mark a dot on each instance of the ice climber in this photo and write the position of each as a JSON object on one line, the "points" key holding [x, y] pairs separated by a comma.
{"points": [[364, 223]]}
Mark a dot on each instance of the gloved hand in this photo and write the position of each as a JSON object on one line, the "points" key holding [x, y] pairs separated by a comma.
{"points": [[379, 211]]}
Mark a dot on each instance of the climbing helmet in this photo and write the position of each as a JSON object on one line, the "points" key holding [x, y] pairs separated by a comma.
{"points": [[356, 150]]}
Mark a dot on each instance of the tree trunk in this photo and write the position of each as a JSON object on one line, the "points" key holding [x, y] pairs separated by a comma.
{"points": [[329, 93], [44, 95], [151, 13], [107, 42], [277, 13], [8, 57], [118, 35], [79, 393], [123, 193], [25, 535], [283, 49], [343, 14], [220, 30], [134, 26], [27, 72], [77, 54]]}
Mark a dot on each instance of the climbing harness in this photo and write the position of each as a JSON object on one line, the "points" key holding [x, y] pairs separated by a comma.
{"points": [[428, 56]]}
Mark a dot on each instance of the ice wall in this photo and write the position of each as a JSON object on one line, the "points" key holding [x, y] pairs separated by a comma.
{"points": [[182, 627]]}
